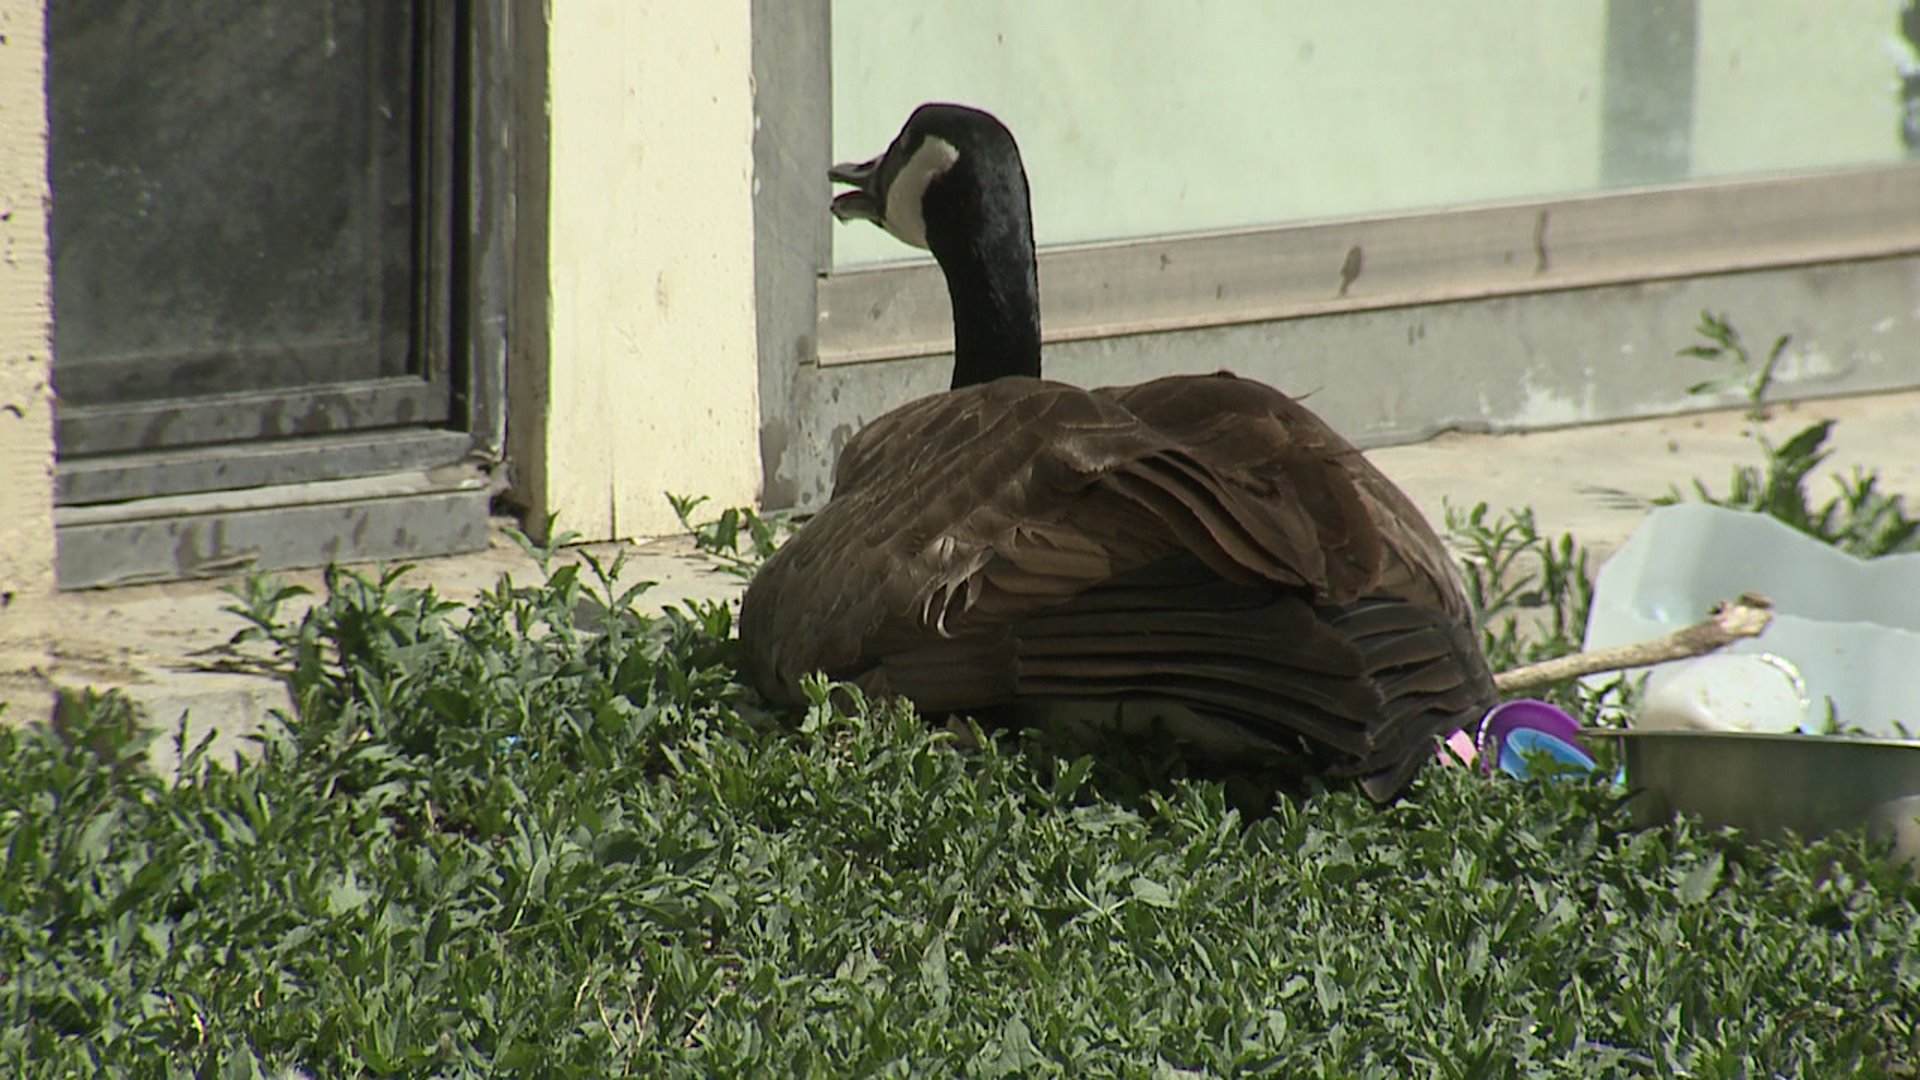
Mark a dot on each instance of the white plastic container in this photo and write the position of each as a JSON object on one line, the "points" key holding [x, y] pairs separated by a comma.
{"points": [[1725, 692], [1848, 628]]}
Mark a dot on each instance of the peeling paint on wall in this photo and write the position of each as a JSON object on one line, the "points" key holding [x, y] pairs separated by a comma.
{"points": [[26, 356]]}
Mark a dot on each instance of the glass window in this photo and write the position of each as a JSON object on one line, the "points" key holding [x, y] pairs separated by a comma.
{"points": [[233, 195], [1142, 118]]}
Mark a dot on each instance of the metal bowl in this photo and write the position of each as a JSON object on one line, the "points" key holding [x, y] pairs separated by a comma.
{"points": [[1769, 784]]}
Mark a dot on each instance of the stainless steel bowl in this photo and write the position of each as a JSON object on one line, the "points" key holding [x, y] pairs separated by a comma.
{"points": [[1768, 784]]}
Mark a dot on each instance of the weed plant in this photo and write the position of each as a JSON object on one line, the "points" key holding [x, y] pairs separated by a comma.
{"points": [[1861, 518]]}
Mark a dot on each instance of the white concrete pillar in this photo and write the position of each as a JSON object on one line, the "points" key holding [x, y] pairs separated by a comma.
{"points": [[651, 380], [26, 359]]}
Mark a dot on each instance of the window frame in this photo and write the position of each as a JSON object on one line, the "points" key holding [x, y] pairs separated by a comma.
{"points": [[390, 468], [1200, 280]]}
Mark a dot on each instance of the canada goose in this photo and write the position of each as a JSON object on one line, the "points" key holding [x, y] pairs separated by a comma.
{"points": [[1201, 552]]}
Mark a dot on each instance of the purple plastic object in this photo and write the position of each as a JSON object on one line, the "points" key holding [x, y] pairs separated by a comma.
{"points": [[1530, 725]]}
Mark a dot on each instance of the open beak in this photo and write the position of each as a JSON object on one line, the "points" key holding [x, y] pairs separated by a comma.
{"points": [[863, 203]]}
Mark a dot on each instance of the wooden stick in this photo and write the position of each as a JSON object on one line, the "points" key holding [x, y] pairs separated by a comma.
{"points": [[1732, 620]]}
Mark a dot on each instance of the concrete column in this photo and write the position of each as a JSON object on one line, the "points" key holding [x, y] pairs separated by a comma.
{"points": [[26, 359], [650, 372]]}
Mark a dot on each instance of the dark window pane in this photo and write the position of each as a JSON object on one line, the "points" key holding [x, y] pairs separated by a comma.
{"points": [[233, 195]]}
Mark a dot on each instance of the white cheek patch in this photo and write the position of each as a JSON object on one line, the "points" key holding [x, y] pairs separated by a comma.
{"points": [[902, 215]]}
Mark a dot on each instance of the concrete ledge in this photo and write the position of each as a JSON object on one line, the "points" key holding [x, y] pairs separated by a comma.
{"points": [[229, 707], [1594, 481]]}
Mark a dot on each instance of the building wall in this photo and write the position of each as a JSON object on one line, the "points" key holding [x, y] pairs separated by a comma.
{"points": [[645, 349], [1139, 119], [635, 370], [26, 354], [650, 345]]}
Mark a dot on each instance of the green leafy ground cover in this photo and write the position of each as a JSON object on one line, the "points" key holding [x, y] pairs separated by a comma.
{"points": [[495, 843], [540, 835]]}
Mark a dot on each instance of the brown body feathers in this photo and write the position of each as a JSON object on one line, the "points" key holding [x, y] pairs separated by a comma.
{"points": [[1199, 541]]}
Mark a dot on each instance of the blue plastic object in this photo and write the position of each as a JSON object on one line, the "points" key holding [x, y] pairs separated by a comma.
{"points": [[1514, 729], [1524, 741]]}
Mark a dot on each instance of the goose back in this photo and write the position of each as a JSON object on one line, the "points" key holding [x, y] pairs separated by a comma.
{"points": [[1196, 554], [1203, 541]]}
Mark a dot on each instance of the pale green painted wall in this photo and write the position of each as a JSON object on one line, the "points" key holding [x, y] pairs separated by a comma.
{"points": [[1143, 117], [1799, 84]]}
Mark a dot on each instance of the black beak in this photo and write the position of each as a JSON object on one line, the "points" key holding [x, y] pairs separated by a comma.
{"points": [[865, 202]]}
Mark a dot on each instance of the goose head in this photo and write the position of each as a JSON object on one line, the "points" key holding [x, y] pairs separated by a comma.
{"points": [[952, 183]]}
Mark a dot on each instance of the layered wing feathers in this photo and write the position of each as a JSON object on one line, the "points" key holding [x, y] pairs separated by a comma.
{"points": [[1199, 539]]}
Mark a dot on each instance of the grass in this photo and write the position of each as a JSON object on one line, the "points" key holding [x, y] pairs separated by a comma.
{"points": [[493, 843], [1861, 517], [544, 835], [720, 538]]}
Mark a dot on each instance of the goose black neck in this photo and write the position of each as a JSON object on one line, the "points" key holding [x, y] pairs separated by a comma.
{"points": [[982, 235], [996, 318]]}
